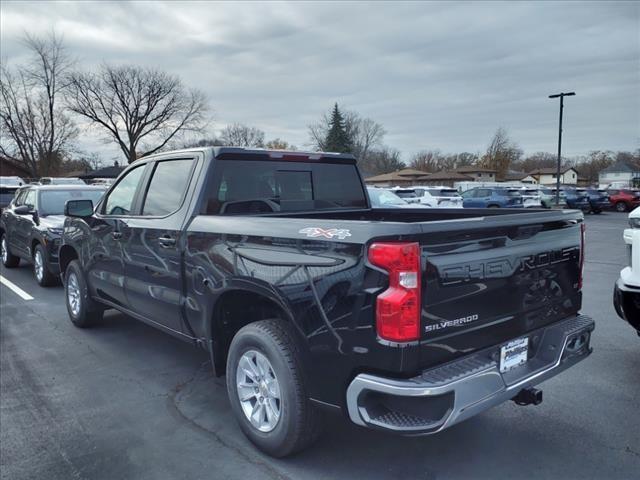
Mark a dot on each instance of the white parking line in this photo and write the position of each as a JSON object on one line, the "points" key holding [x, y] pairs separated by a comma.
{"points": [[16, 289]]}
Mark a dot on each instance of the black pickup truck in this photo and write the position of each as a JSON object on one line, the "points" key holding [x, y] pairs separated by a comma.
{"points": [[404, 320]]}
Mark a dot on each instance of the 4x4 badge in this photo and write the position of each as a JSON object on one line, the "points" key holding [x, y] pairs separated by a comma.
{"points": [[315, 232]]}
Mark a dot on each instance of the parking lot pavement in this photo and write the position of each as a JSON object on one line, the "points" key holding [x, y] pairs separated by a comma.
{"points": [[123, 400]]}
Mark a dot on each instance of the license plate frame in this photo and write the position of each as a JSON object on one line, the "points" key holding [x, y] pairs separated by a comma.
{"points": [[514, 353]]}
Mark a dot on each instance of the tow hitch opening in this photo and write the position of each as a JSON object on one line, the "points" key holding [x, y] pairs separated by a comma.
{"points": [[528, 396]]}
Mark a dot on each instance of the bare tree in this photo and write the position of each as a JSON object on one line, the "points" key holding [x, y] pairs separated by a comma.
{"points": [[501, 152], [279, 144], [240, 135], [382, 160], [427, 161], [35, 132], [142, 109]]}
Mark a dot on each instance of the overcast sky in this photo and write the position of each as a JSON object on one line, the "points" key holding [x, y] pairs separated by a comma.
{"points": [[436, 75]]}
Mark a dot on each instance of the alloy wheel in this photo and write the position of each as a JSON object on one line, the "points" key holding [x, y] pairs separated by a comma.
{"points": [[38, 265], [73, 294], [258, 391], [3, 250]]}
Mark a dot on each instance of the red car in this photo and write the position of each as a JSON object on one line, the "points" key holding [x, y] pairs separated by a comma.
{"points": [[624, 200]]}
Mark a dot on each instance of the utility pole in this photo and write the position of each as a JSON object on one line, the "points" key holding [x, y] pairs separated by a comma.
{"points": [[561, 95]]}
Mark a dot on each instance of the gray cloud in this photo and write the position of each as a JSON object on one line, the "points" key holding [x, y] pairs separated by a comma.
{"points": [[437, 75]]}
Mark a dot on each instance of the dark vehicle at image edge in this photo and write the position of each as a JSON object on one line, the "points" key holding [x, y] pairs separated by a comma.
{"points": [[31, 227], [402, 320]]}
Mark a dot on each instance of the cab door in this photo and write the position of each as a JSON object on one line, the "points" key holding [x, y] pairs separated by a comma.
{"points": [[153, 251], [106, 265], [470, 200], [20, 236]]}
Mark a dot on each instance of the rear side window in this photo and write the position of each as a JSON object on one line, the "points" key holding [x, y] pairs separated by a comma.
{"points": [[120, 199], [258, 186], [167, 187]]}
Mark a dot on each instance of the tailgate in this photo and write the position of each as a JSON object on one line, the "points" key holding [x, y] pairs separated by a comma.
{"points": [[491, 282]]}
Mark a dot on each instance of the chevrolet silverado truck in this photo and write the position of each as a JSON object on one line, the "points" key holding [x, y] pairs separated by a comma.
{"points": [[402, 320], [626, 292]]}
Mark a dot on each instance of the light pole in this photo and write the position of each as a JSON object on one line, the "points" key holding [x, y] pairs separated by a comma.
{"points": [[561, 95]]}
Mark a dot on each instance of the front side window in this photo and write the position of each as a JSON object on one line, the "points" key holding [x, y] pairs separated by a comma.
{"points": [[120, 199], [52, 202], [469, 193], [168, 185], [30, 198]]}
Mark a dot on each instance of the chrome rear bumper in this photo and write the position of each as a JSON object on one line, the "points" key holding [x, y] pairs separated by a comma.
{"points": [[445, 395]]}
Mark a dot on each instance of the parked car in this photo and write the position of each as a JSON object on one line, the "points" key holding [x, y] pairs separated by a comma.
{"points": [[577, 198], [61, 181], [492, 198], [626, 293], [382, 198], [11, 181], [405, 320], [548, 197], [31, 227], [407, 194], [437, 197], [531, 198], [6, 195], [598, 199], [624, 199]]}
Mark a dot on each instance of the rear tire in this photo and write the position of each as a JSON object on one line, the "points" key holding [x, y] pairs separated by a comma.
{"points": [[8, 260], [298, 421], [83, 311], [493, 206], [41, 271], [621, 207]]}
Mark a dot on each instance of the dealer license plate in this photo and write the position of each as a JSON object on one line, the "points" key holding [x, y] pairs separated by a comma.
{"points": [[513, 354]]}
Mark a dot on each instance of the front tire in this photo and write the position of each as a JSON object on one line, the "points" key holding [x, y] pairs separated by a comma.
{"points": [[621, 207], [8, 260], [267, 390], [41, 271], [83, 311]]}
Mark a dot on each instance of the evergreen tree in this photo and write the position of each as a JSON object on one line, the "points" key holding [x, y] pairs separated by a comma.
{"points": [[337, 138]]}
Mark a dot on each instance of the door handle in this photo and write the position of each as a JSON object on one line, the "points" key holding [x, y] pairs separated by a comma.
{"points": [[167, 242], [116, 235]]}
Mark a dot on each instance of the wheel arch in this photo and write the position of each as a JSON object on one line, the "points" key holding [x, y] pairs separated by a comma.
{"points": [[66, 254], [235, 309]]}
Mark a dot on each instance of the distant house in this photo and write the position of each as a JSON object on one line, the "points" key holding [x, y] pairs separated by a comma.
{"points": [[547, 176], [619, 172], [106, 172], [446, 179], [479, 174], [401, 178], [522, 177]]}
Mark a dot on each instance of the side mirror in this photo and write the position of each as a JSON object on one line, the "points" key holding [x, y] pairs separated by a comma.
{"points": [[78, 208], [23, 210]]}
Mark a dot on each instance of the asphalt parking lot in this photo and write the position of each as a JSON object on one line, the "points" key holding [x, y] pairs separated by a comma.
{"points": [[123, 400]]}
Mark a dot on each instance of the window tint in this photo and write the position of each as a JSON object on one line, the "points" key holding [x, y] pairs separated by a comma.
{"points": [[120, 199], [246, 186], [483, 192], [168, 184]]}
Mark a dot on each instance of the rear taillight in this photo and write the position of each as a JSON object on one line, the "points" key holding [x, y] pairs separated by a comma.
{"points": [[582, 242], [398, 307]]}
